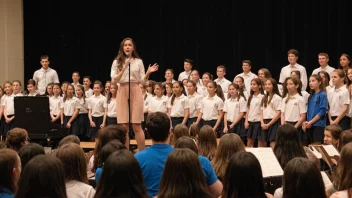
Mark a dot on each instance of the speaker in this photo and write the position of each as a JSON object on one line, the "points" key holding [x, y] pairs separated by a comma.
{"points": [[33, 114]]}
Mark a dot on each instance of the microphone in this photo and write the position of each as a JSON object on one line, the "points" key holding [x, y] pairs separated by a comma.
{"points": [[128, 55]]}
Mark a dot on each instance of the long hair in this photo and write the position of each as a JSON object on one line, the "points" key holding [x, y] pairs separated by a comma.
{"points": [[180, 130], [29, 151], [182, 92], [121, 177], [207, 142], [121, 56], [74, 161], [288, 145], [187, 142], [65, 96], [296, 82], [269, 96], [229, 144], [83, 93], [321, 86], [240, 91], [105, 135], [299, 175], [345, 138], [109, 96], [327, 76], [8, 161], [243, 177], [43, 176], [343, 173], [261, 90], [183, 176]]}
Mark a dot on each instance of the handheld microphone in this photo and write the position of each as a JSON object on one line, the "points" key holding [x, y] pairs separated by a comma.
{"points": [[128, 55]]}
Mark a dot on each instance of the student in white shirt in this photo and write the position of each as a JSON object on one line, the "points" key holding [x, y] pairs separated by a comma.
{"points": [[31, 87], [211, 108], [293, 108], [96, 110], [305, 94], [264, 74], [293, 65], [270, 112], [221, 80], [158, 103], [83, 119], [339, 100], [2, 93], [49, 90], [326, 80], [9, 107], [194, 101], [169, 76], [239, 80], [247, 75], [187, 65], [111, 106], [45, 75], [323, 59], [55, 103], [235, 107], [194, 76], [206, 77], [252, 122], [7, 93], [345, 62], [69, 112], [177, 105], [184, 83], [64, 86], [86, 83], [75, 79], [168, 89]]}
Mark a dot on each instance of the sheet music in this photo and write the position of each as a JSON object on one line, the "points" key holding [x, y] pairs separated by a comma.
{"points": [[268, 162], [326, 180], [331, 150], [315, 152]]}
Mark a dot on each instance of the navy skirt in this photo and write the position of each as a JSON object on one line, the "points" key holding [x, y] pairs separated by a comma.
{"points": [[93, 131], [270, 134]]}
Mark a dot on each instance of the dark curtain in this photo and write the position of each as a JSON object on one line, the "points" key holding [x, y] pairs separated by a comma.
{"points": [[84, 36]]}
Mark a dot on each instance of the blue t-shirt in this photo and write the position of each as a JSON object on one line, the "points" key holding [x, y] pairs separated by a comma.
{"points": [[6, 193], [317, 104], [97, 174], [208, 170], [152, 161]]}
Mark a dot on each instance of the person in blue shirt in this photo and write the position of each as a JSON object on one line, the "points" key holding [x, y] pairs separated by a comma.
{"points": [[316, 110], [10, 171], [152, 160]]}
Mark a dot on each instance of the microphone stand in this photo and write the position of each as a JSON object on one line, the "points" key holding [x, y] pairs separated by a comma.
{"points": [[129, 99]]}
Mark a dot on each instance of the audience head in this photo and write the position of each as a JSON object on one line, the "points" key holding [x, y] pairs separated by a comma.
{"points": [[70, 139], [121, 164], [229, 144], [158, 126], [332, 134], [194, 130], [183, 176], [343, 173], [187, 142], [207, 142], [10, 169], [112, 146], [29, 151], [43, 176], [288, 144], [179, 131], [299, 175], [243, 177], [345, 138], [16, 138], [74, 161]]}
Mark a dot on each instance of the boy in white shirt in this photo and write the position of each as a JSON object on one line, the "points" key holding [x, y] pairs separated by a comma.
{"points": [[221, 80], [188, 65], [247, 75]]}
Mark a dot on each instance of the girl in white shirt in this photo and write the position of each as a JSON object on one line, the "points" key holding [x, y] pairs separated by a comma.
{"points": [[211, 108], [194, 76], [168, 88], [297, 74], [146, 98], [7, 91], [83, 119], [111, 117], [178, 106], [206, 77], [31, 87], [97, 111], [235, 108], [55, 103], [270, 112], [293, 107], [239, 80], [49, 90], [69, 112], [9, 106], [252, 122], [86, 83], [194, 101], [339, 100], [158, 102]]}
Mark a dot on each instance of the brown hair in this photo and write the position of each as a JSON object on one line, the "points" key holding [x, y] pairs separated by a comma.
{"points": [[345, 138], [266, 72], [121, 56], [261, 91], [343, 173], [240, 92], [324, 54], [15, 137], [174, 95], [183, 176], [65, 96], [229, 144], [180, 130], [194, 130], [69, 139], [296, 82], [207, 142], [74, 161], [293, 51], [269, 96], [248, 62], [8, 161], [43, 57], [105, 135], [222, 67], [187, 60], [31, 82], [335, 130]]}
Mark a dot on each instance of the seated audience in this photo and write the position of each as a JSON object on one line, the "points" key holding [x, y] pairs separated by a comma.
{"points": [[207, 142], [16, 138], [69, 139], [29, 151], [10, 171], [332, 134]]}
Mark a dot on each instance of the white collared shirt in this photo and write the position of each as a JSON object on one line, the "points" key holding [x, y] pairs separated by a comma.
{"points": [[269, 111], [97, 104], [184, 75], [179, 106], [194, 102], [44, 77], [233, 108], [337, 98], [254, 108], [210, 107], [293, 109], [327, 69], [224, 83], [286, 72], [158, 104]]}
